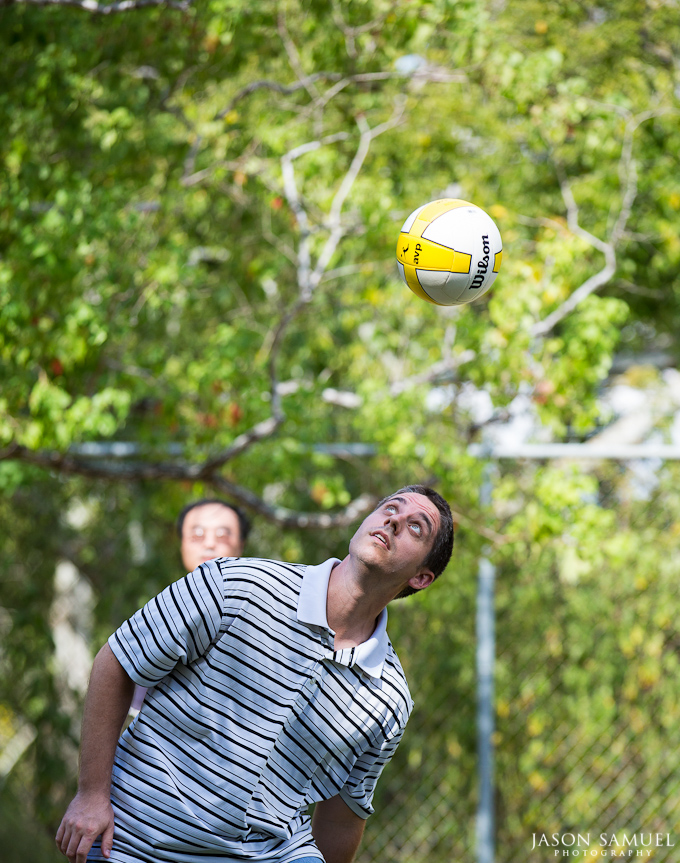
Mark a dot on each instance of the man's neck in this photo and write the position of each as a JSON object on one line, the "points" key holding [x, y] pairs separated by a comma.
{"points": [[351, 608]]}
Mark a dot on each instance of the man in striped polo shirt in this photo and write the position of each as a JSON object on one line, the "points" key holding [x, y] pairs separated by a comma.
{"points": [[272, 686]]}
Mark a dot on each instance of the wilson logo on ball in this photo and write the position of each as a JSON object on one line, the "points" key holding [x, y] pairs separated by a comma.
{"points": [[436, 248], [483, 265]]}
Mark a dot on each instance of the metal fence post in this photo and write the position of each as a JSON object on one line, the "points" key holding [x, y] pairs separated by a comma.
{"points": [[485, 602], [485, 690]]}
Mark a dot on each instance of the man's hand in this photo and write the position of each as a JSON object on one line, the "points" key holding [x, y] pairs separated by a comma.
{"points": [[87, 817], [90, 813]]}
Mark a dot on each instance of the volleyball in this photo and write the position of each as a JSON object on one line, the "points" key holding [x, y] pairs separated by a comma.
{"points": [[449, 252]]}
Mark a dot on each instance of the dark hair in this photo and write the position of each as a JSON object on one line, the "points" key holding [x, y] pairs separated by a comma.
{"points": [[243, 521], [440, 553]]}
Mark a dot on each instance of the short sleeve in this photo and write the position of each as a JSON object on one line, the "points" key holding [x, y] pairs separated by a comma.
{"points": [[360, 786], [177, 626]]}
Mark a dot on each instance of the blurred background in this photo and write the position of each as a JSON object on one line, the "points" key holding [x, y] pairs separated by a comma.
{"points": [[199, 209]]}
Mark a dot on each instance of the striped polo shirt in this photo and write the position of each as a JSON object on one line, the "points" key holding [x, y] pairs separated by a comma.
{"points": [[251, 716]]}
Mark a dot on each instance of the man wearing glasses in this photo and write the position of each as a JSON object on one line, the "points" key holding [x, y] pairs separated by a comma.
{"points": [[207, 529]]}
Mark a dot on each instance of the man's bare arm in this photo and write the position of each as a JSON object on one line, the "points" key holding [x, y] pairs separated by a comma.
{"points": [[90, 813], [337, 830]]}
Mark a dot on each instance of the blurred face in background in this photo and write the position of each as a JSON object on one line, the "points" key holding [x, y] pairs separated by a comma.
{"points": [[209, 531]]}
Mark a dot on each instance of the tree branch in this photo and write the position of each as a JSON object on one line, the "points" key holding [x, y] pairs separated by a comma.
{"points": [[486, 532], [294, 58], [284, 89], [308, 278], [628, 184], [126, 471], [276, 241], [289, 518], [336, 234], [292, 194], [308, 275], [282, 516], [351, 269], [67, 463], [365, 78], [105, 8], [434, 373], [628, 173], [238, 164], [435, 75], [190, 161], [350, 33], [591, 284], [261, 431]]}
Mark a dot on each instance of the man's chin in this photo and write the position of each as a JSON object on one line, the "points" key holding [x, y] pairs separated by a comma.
{"points": [[374, 557]]}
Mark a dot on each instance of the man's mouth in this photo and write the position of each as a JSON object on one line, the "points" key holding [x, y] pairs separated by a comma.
{"points": [[382, 536]]}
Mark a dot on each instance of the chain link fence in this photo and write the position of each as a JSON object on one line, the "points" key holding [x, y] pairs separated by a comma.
{"points": [[587, 706]]}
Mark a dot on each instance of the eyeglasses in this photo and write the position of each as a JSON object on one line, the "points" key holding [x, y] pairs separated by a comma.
{"points": [[221, 533]]}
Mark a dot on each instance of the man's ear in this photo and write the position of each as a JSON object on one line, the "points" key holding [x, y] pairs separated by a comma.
{"points": [[422, 580]]}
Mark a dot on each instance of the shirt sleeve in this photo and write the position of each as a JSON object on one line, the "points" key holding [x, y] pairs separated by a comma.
{"points": [[360, 786], [177, 626]]}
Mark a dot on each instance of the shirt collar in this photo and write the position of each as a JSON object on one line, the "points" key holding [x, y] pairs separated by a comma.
{"points": [[371, 654]]}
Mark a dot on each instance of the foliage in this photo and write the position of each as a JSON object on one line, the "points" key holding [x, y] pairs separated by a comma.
{"points": [[198, 216]]}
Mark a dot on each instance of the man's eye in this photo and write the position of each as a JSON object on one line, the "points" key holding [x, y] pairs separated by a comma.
{"points": [[198, 533], [417, 529], [222, 532], [390, 507]]}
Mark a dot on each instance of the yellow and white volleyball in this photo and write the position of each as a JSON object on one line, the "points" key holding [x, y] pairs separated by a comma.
{"points": [[449, 252]]}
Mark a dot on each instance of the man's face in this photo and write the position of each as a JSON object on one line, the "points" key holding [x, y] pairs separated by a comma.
{"points": [[397, 537], [209, 531]]}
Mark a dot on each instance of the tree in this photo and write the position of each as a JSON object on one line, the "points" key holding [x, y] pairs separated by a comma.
{"points": [[198, 289]]}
